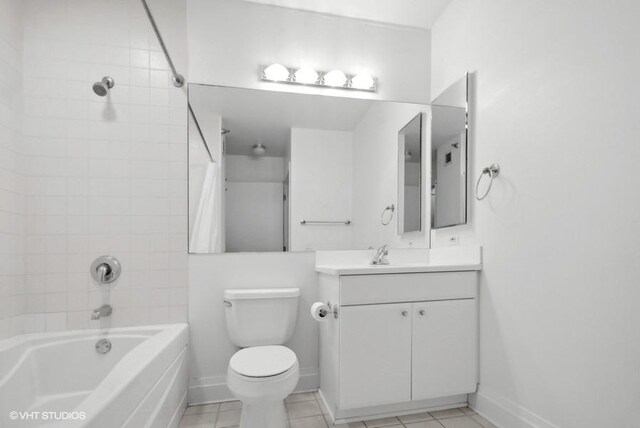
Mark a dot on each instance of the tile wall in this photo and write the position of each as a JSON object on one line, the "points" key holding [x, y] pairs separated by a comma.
{"points": [[103, 175]]}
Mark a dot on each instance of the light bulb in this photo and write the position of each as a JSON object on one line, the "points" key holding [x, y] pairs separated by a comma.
{"points": [[306, 75], [276, 72], [259, 149], [335, 78], [362, 81]]}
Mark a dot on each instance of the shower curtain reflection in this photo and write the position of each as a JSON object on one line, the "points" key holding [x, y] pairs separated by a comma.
{"points": [[205, 237]]}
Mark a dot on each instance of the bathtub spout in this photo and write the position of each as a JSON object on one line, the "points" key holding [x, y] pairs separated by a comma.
{"points": [[101, 312]]}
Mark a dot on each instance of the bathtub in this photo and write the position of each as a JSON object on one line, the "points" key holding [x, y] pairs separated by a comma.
{"points": [[60, 380]]}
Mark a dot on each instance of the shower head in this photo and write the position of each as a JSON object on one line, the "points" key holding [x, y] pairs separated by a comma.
{"points": [[101, 88]]}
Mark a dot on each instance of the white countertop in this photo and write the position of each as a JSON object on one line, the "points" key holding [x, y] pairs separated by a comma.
{"points": [[449, 259], [381, 269]]}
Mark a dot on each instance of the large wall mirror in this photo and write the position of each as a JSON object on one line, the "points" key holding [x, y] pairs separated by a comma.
{"points": [[449, 136], [280, 171]]}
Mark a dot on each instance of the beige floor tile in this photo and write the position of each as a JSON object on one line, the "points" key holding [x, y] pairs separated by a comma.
{"points": [[198, 421], [230, 405], [382, 422], [302, 396], [424, 424], [204, 408], [460, 422], [426, 416], [482, 421], [228, 418], [449, 413], [301, 409], [309, 422]]}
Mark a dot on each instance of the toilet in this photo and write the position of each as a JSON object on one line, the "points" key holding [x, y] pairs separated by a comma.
{"points": [[264, 372]]}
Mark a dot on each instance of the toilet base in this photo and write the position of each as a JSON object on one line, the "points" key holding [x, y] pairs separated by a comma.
{"points": [[268, 414]]}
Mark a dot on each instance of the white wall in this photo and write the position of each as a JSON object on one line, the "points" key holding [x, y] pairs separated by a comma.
{"points": [[12, 265], [254, 217], [105, 175], [254, 169], [229, 40], [320, 189], [554, 102], [375, 176]]}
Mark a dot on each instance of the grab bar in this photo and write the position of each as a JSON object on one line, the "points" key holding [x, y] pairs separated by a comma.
{"points": [[305, 222]]}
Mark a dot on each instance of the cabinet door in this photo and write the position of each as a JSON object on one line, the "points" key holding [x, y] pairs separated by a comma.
{"points": [[444, 348], [375, 355]]}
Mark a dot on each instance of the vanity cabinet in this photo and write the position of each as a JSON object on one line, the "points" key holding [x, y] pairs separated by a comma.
{"points": [[399, 342]]}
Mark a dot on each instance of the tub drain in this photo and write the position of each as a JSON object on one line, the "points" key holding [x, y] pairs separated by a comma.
{"points": [[103, 346]]}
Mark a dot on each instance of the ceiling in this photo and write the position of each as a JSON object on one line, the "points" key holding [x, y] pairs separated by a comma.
{"points": [[257, 116], [411, 13]]}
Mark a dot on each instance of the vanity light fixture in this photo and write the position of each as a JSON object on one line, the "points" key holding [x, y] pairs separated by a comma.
{"points": [[259, 149], [308, 76], [276, 73], [362, 81], [335, 78]]}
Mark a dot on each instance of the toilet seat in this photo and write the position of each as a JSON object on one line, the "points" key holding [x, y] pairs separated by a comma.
{"points": [[263, 361]]}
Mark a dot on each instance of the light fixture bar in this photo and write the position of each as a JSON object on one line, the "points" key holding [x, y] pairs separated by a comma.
{"points": [[336, 79]]}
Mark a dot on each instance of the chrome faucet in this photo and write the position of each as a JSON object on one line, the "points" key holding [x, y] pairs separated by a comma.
{"points": [[101, 312], [381, 256]]}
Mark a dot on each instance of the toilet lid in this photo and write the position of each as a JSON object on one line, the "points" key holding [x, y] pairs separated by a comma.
{"points": [[262, 361]]}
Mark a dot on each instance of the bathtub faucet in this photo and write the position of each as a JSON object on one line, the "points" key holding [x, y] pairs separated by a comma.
{"points": [[101, 312]]}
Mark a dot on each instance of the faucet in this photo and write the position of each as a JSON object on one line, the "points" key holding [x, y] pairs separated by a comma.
{"points": [[381, 256], [103, 270], [101, 312]]}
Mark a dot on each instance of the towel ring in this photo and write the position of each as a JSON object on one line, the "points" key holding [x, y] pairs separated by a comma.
{"points": [[388, 209], [493, 171]]}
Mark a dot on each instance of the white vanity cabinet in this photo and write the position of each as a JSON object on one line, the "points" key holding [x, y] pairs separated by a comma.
{"points": [[400, 343]]}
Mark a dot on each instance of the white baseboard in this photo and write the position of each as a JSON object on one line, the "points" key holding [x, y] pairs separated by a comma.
{"points": [[214, 389], [503, 412]]}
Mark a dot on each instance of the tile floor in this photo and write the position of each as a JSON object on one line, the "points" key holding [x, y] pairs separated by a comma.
{"points": [[305, 410]]}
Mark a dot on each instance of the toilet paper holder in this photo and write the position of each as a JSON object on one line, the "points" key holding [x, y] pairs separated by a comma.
{"points": [[333, 309]]}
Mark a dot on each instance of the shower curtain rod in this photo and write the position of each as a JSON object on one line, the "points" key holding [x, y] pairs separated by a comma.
{"points": [[204, 141], [178, 79]]}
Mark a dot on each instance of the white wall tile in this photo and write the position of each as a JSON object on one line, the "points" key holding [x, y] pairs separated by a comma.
{"points": [[96, 169]]}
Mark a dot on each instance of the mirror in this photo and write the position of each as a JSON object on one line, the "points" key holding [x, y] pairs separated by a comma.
{"points": [[410, 176], [300, 172], [449, 135]]}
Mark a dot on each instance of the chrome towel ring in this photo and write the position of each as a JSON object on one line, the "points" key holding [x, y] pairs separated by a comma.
{"points": [[388, 209], [493, 171]]}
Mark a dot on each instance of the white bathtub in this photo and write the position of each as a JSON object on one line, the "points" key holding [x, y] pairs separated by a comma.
{"points": [[59, 380]]}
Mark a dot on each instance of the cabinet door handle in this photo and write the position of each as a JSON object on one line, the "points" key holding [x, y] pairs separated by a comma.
{"points": [[405, 313], [422, 312]]}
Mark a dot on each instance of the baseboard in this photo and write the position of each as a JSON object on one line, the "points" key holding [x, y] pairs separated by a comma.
{"points": [[214, 389], [503, 412]]}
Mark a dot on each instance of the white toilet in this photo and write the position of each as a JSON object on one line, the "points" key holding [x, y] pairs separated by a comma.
{"points": [[263, 373]]}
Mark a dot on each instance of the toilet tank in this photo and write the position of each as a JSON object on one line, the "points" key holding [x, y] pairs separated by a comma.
{"points": [[257, 317]]}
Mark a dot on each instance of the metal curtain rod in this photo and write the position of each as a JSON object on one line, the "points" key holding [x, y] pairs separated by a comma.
{"points": [[204, 141], [178, 79]]}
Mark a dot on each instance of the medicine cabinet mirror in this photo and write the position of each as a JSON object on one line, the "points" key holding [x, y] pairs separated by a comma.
{"points": [[449, 136]]}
